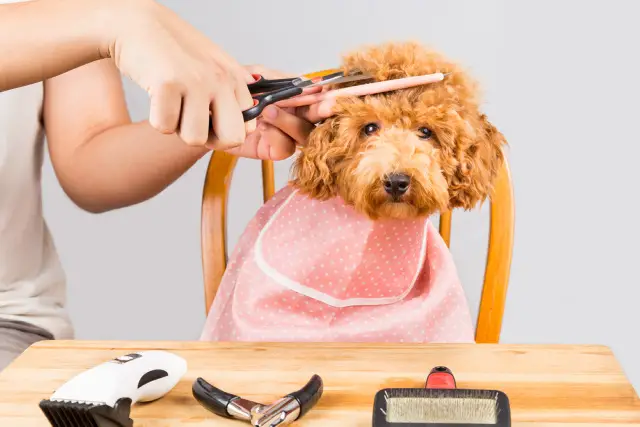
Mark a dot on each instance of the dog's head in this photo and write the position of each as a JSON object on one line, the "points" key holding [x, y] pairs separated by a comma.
{"points": [[408, 153]]}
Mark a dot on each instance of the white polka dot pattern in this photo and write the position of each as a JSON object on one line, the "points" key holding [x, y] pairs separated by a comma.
{"points": [[327, 250], [251, 306]]}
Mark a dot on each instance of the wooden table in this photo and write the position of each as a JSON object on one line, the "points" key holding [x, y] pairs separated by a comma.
{"points": [[555, 385]]}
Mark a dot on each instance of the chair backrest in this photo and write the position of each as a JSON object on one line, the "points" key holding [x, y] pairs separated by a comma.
{"points": [[499, 252]]}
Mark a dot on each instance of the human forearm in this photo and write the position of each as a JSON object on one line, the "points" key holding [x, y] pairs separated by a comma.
{"points": [[105, 162], [123, 166], [44, 38]]}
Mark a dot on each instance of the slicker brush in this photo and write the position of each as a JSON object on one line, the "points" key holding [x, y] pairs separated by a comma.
{"points": [[441, 404]]}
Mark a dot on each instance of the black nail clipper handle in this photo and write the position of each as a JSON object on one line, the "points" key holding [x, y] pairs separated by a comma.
{"points": [[308, 395], [212, 397]]}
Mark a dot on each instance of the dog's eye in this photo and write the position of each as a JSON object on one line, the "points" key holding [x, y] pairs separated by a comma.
{"points": [[370, 128], [424, 133]]}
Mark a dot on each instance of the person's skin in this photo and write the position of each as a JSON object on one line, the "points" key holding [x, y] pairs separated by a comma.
{"points": [[191, 81], [103, 161]]}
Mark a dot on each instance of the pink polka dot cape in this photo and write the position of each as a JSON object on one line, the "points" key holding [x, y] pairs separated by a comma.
{"points": [[318, 271]]}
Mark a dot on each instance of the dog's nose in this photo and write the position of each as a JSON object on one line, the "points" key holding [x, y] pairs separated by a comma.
{"points": [[397, 184]]}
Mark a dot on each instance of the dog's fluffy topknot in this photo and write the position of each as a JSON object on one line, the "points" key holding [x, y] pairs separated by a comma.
{"points": [[454, 168]]}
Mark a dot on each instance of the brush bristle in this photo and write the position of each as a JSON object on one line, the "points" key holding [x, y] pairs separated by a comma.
{"points": [[439, 406]]}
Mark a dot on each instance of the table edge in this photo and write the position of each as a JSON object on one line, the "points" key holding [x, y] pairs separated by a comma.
{"points": [[195, 344]]}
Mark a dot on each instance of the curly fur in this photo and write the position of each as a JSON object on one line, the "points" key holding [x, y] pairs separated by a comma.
{"points": [[454, 168]]}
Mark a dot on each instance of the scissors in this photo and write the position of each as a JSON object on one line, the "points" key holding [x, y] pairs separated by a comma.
{"points": [[269, 91]]}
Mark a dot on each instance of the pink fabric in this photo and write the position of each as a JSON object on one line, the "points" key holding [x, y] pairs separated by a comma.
{"points": [[308, 270]]}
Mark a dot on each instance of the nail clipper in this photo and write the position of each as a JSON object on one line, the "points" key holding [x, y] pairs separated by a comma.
{"points": [[284, 411]]}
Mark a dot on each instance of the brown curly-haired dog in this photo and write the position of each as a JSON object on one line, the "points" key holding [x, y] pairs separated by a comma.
{"points": [[347, 251], [407, 153]]}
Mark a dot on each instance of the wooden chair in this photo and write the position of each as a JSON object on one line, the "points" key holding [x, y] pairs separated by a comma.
{"points": [[499, 253]]}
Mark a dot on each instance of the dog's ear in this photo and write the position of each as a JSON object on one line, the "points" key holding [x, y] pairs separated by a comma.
{"points": [[480, 156], [312, 173]]}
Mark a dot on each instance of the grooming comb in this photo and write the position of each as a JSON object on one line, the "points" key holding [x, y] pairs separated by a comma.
{"points": [[326, 99], [440, 404]]}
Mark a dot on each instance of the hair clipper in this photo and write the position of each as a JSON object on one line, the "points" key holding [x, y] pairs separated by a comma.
{"points": [[102, 396]]}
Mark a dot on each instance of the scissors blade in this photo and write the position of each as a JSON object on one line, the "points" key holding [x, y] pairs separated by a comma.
{"points": [[321, 73], [312, 81], [343, 79]]}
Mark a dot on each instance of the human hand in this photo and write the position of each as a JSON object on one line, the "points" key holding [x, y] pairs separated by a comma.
{"points": [[279, 130], [192, 83]]}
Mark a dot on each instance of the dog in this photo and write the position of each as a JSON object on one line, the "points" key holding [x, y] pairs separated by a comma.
{"points": [[346, 251]]}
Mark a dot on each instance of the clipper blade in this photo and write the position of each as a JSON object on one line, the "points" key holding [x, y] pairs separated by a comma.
{"points": [[441, 407], [65, 413]]}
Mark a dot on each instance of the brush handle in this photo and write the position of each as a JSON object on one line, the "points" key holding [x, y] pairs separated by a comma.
{"points": [[441, 377]]}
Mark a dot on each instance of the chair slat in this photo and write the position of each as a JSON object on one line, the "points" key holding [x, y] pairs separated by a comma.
{"points": [[445, 227], [499, 254], [214, 222], [268, 180]]}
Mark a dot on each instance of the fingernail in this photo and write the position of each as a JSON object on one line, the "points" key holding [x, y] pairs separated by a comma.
{"points": [[270, 112]]}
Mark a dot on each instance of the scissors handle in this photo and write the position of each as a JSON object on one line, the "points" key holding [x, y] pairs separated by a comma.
{"points": [[269, 98], [261, 101], [262, 85], [269, 91]]}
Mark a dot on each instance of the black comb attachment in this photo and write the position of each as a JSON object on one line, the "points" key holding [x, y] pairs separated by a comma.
{"points": [[61, 413]]}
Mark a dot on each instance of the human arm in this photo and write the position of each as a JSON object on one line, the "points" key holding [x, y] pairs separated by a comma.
{"points": [[190, 80], [104, 161], [42, 39]]}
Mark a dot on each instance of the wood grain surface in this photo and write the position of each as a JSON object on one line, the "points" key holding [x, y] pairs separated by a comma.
{"points": [[553, 386]]}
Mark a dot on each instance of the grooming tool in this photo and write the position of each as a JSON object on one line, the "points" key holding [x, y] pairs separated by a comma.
{"points": [[270, 91], [324, 101], [440, 404], [284, 411], [102, 396], [440, 377]]}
